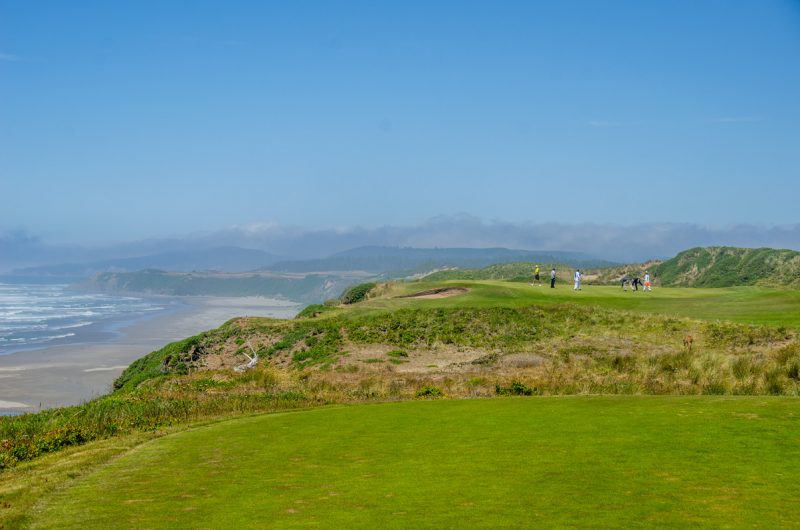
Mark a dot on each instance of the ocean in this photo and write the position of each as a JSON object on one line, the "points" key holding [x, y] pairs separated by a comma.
{"points": [[35, 315]]}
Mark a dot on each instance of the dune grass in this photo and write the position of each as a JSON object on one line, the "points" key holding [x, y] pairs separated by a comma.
{"points": [[532, 462]]}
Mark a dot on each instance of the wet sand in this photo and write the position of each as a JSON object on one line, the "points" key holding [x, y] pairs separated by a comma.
{"points": [[69, 374]]}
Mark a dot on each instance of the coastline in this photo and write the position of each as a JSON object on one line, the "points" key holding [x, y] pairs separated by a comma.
{"points": [[62, 375]]}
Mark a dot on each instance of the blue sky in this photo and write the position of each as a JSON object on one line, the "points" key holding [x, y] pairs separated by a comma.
{"points": [[124, 120]]}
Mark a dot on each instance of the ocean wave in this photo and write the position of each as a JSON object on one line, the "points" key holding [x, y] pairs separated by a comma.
{"points": [[37, 314], [72, 326]]}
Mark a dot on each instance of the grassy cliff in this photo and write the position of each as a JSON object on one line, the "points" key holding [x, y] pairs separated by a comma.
{"points": [[419, 341], [489, 338], [730, 266]]}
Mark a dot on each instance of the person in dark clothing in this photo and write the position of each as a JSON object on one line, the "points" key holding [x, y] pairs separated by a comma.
{"points": [[553, 278], [635, 284], [624, 281]]}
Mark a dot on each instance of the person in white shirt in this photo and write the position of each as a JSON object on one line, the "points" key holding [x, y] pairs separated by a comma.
{"points": [[647, 284], [577, 280]]}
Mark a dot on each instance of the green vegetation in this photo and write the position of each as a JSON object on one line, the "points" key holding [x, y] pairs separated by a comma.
{"points": [[697, 267], [515, 389], [528, 462], [429, 392], [313, 310], [357, 293], [487, 339], [729, 266], [600, 341], [149, 408], [747, 305]]}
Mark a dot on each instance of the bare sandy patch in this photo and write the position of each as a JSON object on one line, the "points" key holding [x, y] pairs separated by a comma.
{"points": [[379, 358], [442, 292]]}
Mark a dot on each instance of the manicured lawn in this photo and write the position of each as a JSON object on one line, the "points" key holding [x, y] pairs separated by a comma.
{"points": [[532, 462], [752, 305]]}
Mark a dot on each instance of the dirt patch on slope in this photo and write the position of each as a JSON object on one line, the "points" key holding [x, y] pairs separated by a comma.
{"points": [[442, 292]]}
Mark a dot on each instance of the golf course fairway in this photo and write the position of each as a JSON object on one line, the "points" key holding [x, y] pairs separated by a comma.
{"points": [[670, 461]]}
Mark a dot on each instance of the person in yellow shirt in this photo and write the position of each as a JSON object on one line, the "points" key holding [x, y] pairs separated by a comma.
{"points": [[536, 280]]}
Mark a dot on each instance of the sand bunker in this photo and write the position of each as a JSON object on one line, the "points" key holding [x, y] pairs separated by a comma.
{"points": [[442, 292]]}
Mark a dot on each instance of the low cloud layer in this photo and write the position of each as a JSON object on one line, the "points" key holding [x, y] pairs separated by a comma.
{"points": [[614, 242], [607, 241]]}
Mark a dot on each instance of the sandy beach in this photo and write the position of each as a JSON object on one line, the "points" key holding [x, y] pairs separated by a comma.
{"points": [[69, 374]]}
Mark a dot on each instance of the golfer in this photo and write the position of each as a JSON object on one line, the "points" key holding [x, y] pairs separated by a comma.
{"points": [[553, 278], [647, 285], [536, 279], [577, 280]]}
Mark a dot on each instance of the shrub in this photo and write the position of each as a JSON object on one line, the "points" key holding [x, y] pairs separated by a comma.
{"points": [[742, 367], [793, 369], [310, 311], [515, 389], [357, 293], [774, 381], [429, 392], [715, 387]]}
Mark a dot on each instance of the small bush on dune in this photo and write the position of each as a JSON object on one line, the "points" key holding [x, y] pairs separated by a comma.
{"points": [[429, 392], [715, 386], [620, 363], [262, 377], [793, 369], [515, 389], [311, 311], [357, 293], [774, 381], [743, 367], [674, 362]]}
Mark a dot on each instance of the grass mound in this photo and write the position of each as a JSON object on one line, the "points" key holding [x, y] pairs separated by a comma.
{"points": [[728, 266], [526, 462]]}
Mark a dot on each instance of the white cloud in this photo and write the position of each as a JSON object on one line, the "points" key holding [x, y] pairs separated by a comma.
{"points": [[636, 242], [609, 241]]}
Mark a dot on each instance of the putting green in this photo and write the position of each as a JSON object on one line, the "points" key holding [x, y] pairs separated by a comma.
{"points": [[534, 462]]}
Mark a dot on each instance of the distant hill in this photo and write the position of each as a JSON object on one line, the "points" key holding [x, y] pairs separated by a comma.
{"points": [[729, 266], [404, 261], [308, 288], [227, 259]]}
